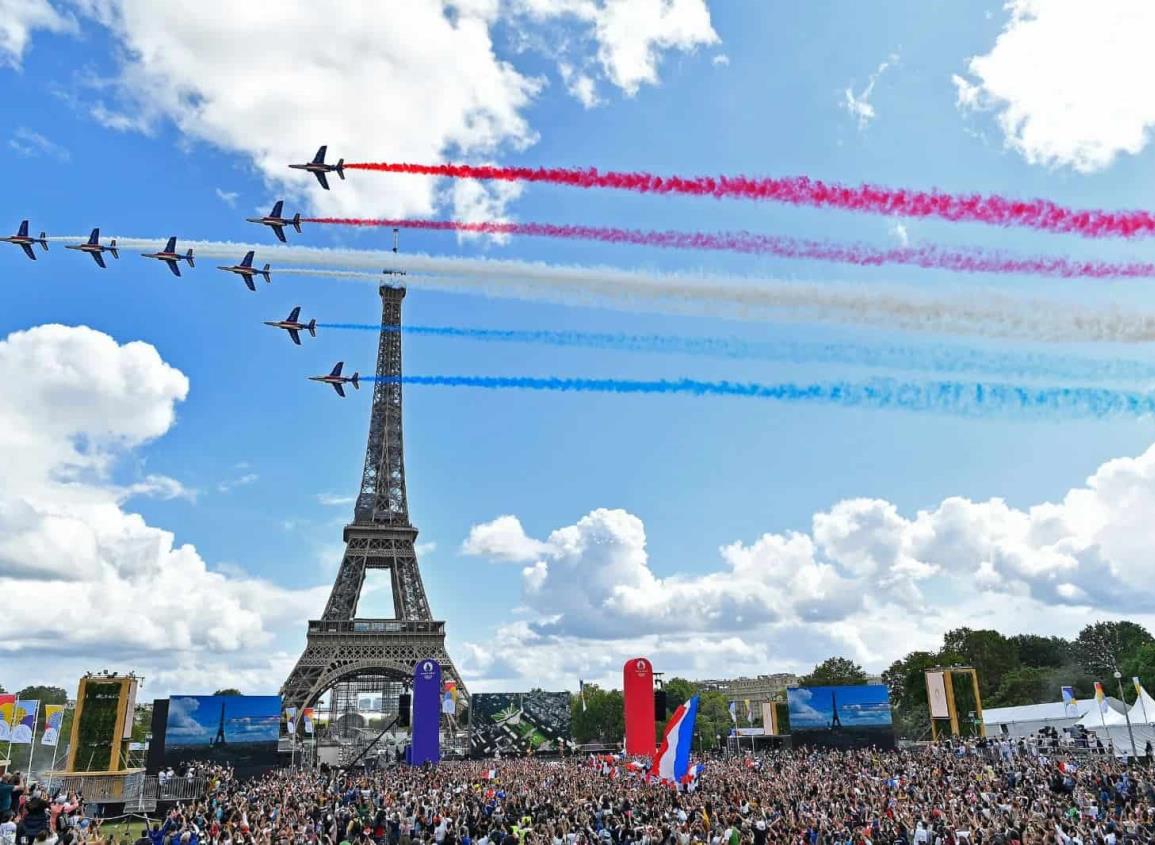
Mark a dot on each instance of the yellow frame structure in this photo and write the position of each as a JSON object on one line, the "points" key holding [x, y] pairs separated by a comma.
{"points": [[948, 681], [125, 686]]}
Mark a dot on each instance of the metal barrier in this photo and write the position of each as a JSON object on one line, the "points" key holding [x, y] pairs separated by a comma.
{"points": [[136, 790]]}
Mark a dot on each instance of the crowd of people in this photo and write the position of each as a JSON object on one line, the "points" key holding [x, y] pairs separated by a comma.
{"points": [[938, 795]]}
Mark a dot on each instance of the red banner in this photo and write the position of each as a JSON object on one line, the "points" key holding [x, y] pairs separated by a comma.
{"points": [[638, 689]]}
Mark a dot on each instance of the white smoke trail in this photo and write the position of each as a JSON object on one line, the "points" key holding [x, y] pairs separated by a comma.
{"points": [[993, 314]]}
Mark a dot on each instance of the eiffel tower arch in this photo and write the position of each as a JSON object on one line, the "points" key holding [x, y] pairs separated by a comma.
{"points": [[341, 646]]}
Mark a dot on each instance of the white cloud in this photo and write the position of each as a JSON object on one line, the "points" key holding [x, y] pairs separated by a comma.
{"points": [[901, 233], [1069, 80], [628, 37], [581, 85], [503, 539], [859, 105], [720, 60], [239, 481], [18, 18], [418, 86], [229, 198], [362, 81], [78, 403], [32, 144], [158, 486], [334, 499], [796, 598]]}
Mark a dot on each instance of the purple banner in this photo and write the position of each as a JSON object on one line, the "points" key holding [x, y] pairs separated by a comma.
{"points": [[426, 747]]}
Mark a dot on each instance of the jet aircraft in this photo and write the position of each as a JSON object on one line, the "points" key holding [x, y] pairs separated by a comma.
{"points": [[246, 270], [94, 248], [276, 222], [318, 168], [171, 257], [22, 240], [294, 327], [337, 380]]}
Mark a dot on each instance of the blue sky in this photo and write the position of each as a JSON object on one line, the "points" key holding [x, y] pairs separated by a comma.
{"points": [[718, 536]]}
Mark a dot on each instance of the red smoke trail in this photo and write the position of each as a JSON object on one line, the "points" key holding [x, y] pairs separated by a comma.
{"points": [[801, 190], [929, 257]]}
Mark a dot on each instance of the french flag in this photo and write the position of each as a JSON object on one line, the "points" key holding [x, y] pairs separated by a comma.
{"points": [[673, 760]]}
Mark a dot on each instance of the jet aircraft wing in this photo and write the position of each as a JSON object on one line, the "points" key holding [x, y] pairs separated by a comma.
{"points": [[340, 390], [172, 265], [28, 251], [296, 336], [99, 259], [321, 178], [279, 231]]}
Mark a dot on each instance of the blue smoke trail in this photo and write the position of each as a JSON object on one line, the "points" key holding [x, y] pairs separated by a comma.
{"points": [[943, 359], [972, 400]]}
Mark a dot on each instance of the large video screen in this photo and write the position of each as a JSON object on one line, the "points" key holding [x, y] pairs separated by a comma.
{"points": [[517, 723], [238, 729], [841, 717]]}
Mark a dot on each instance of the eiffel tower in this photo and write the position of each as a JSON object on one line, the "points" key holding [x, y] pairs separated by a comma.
{"points": [[220, 737], [341, 646]]}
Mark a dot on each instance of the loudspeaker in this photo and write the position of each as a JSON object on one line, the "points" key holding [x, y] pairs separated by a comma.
{"points": [[660, 705], [404, 704], [154, 761]]}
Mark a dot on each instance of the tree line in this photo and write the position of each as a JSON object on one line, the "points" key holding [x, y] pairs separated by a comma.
{"points": [[1012, 670]]}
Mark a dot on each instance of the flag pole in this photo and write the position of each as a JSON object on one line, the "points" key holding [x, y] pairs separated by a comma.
{"points": [[32, 741]]}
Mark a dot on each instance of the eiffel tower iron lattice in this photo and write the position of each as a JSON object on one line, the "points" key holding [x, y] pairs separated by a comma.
{"points": [[340, 645]]}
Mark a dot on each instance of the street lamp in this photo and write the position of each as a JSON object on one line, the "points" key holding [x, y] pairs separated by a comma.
{"points": [[1126, 712]]}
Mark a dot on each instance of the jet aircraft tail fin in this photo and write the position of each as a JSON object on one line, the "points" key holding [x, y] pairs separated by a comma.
{"points": [[297, 222], [112, 248], [312, 327], [189, 257]]}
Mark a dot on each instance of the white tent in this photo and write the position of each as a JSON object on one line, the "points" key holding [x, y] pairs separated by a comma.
{"points": [[1113, 724], [1095, 718], [1027, 719], [1142, 712]]}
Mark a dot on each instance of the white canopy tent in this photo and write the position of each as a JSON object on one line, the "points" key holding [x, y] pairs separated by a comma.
{"points": [[1112, 724], [1142, 712], [1028, 719]]}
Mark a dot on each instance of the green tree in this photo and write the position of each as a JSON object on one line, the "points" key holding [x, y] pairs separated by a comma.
{"points": [[678, 692], [1024, 685], [1037, 651], [989, 652], [713, 717], [45, 695], [1102, 647], [228, 691], [906, 681], [602, 719], [1141, 664], [834, 671]]}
